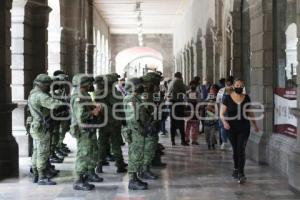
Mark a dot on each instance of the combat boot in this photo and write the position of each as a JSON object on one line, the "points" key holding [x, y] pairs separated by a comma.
{"points": [[121, 169], [55, 159], [35, 175], [99, 169], [111, 158], [93, 177], [86, 182], [60, 154], [136, 184], [66, 149], [81, 184], [156, 162], [147, 175], [44, 180], [63, 151], [105, 163]]}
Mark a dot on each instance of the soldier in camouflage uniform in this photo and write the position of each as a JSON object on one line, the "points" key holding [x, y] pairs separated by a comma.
{"points": [[151, 81], [84, 114], [110, 133], [65, 124], [60, 127], [40, 102], [136, 117]]}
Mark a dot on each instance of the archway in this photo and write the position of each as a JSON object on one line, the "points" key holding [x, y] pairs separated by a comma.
{"points": [[136, 61]]}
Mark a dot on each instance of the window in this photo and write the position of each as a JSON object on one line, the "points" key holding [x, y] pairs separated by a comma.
{"points": [[286, 40]]}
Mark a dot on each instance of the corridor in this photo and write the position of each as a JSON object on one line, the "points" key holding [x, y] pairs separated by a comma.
{"points": [[204, 46], [193, 173]]}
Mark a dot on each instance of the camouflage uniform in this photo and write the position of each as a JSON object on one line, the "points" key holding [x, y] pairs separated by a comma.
{"points": [[40, 102], [110, 133], [151, 141], [135, 119], [60, 126], [82, 106]]}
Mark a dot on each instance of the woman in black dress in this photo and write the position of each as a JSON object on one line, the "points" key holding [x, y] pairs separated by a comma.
{"points": [[237, 121]]}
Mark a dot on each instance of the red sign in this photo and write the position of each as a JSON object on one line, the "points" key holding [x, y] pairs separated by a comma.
{"points": [[285, 122]]}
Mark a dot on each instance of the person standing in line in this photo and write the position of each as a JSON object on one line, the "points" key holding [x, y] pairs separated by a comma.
{"points": [[220, 96], [40, 103], [136, 117], [121, 87], [235, 118], [210, 122], [85, 113], [176, 94], [192, 125]]}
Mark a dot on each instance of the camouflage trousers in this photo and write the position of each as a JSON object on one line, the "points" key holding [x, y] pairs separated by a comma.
{"points": [[136, 151], [109, 137], [64, 128], [41, 151], [150, 150], [58, 134], [86, 156]]}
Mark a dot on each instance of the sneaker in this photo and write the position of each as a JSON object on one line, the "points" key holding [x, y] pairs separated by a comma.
{"points": [[242, 179], [195, 143], [235, 174], [184, 144], [223, 146]]}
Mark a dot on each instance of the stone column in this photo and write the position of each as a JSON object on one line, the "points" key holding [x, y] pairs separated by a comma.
{"points": [[262, 76], [9, 158], [29, 58], [90, 58], [20, 86], [294, 157], [70, 36], [183, 65], [199, 53], [192, 62], [236, 44], [195, 59], [209, 60]]}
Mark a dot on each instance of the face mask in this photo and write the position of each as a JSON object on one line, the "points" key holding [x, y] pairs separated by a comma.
{"points": [[123, 84], [238, 90], [193, 88]]}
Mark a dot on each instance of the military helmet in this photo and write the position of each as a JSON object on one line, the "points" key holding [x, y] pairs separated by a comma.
{"points": [[115, 76], [152, 78], [58, 72], [133, 83], [60, 77], [99, 79], [81, 79], [110, 78], [43, 79]]}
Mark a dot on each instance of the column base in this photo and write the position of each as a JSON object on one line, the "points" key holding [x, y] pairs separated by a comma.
{"points": [[257, 149], [9, 152], [293, 170], [9, 158]]}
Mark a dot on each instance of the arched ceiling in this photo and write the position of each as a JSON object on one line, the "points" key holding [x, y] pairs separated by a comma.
{"points": [[128, 55], [158, 16]]}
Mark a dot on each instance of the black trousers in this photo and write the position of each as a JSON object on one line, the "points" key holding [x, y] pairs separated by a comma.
{"points": [[238, 136], [177, 124]]}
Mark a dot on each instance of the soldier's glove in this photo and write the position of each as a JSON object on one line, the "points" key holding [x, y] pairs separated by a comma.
{"points": [[126, 133]]}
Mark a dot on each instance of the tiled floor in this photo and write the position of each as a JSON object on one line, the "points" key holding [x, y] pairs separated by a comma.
{"points": [[193, 173]]}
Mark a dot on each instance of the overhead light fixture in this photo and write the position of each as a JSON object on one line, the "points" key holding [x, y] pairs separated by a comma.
{"points": [[139, 23]]}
